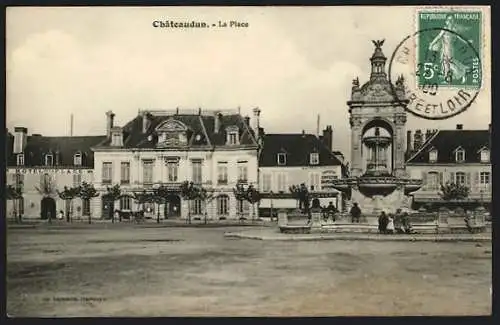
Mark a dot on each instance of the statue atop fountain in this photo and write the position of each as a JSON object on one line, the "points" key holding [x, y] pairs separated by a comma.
{"points": [[378, 179]]}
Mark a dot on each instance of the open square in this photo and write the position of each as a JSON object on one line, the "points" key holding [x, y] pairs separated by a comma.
{"points": [[127, 270]]}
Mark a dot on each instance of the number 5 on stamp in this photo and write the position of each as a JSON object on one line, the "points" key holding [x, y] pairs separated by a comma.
{"points": [[449, 52]]}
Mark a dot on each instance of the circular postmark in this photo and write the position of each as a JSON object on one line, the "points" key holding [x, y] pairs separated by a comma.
{"points": [[437, 73]]}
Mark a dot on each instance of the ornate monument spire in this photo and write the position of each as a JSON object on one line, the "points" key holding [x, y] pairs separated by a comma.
{"points": [[378, 61]]}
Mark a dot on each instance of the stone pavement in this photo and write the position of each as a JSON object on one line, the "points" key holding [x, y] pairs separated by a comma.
{"points": [[272, 233]]}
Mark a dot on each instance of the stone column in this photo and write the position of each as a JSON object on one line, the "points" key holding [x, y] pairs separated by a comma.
{"points": [[356, 157], [399, 146]]}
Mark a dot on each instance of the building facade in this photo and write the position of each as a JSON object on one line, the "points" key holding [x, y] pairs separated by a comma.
{"points": [[450, 156], [214, 149], [292, 159], [42, 165]]}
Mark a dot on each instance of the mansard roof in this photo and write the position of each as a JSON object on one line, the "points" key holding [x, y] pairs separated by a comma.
{"points": [[63, 150], [298, 148], [200, 130], [446, 143]]}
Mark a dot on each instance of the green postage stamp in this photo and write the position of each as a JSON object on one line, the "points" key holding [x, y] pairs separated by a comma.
{"points": [[449, 48]]}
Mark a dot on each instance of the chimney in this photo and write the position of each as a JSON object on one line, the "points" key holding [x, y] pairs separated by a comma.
{"points": [[417, 141], [247, 120], [408, 142], [217, 120], [327, 137], [460, 126], [489, 128], [317, 126], [145, 121], [110, 116], [256, 121], [20, 139]]}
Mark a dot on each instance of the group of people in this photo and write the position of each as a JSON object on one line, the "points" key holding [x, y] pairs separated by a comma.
{"points": [[397, 223]]}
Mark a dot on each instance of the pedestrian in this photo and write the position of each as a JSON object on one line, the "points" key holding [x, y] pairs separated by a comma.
{"points": [[331, 211], [390, 224], [61, 215], [382, 222], [355, 213]]}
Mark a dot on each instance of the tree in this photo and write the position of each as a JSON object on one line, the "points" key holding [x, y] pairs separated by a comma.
{"points": [[112, 194], [249, 194], [87, 191], [453, 191], [47, 188], [189, 192], [205, 196], [301, 194], [68, 194], [14, 193]]}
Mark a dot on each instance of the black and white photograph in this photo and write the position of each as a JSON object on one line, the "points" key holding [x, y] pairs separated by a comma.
{"points": [[248, 161]]}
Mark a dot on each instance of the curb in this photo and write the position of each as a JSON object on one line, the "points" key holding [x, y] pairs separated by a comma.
{"points": [[365, 238]]}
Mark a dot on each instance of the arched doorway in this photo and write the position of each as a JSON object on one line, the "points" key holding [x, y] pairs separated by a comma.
{"points": [[172, 206], [48, 205]]}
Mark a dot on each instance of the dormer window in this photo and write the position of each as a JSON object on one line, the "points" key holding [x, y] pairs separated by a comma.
{"points": [[20, 159], [485, 156], [117, 139], [77, 159], [49, 159], [433, 155], [172, 133], [460, 155], [314, 158], [232, 135], [281, 159]]}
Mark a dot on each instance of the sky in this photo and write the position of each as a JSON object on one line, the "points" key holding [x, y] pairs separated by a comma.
{"points": [[294, 63]]}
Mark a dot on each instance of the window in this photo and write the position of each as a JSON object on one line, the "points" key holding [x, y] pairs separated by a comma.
{"points": [[242, 171], [433, 181], [460, 178], [125, 203], [172, 168], [147, 177], [314, 158], [196, 207], [20, 159], [233, 138], [485, 155], [49, 160], [197, 175], [116, 139], [77, 179], [77, 159], [223, 205], [266, 182], [86, 207], [243, 207], [433, 154], [222, 173], [460, 155], [107, 172], [314, 181], [282, 186], [484, 178], [125, 172], [281, 159]]}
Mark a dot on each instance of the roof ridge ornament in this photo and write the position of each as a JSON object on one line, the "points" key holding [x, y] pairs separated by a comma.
{"points": [[378, 43]]}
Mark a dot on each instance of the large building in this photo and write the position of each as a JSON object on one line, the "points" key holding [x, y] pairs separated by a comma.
{"points": [[43, 165], [292, 159], [450, 156], [215, 149]]}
